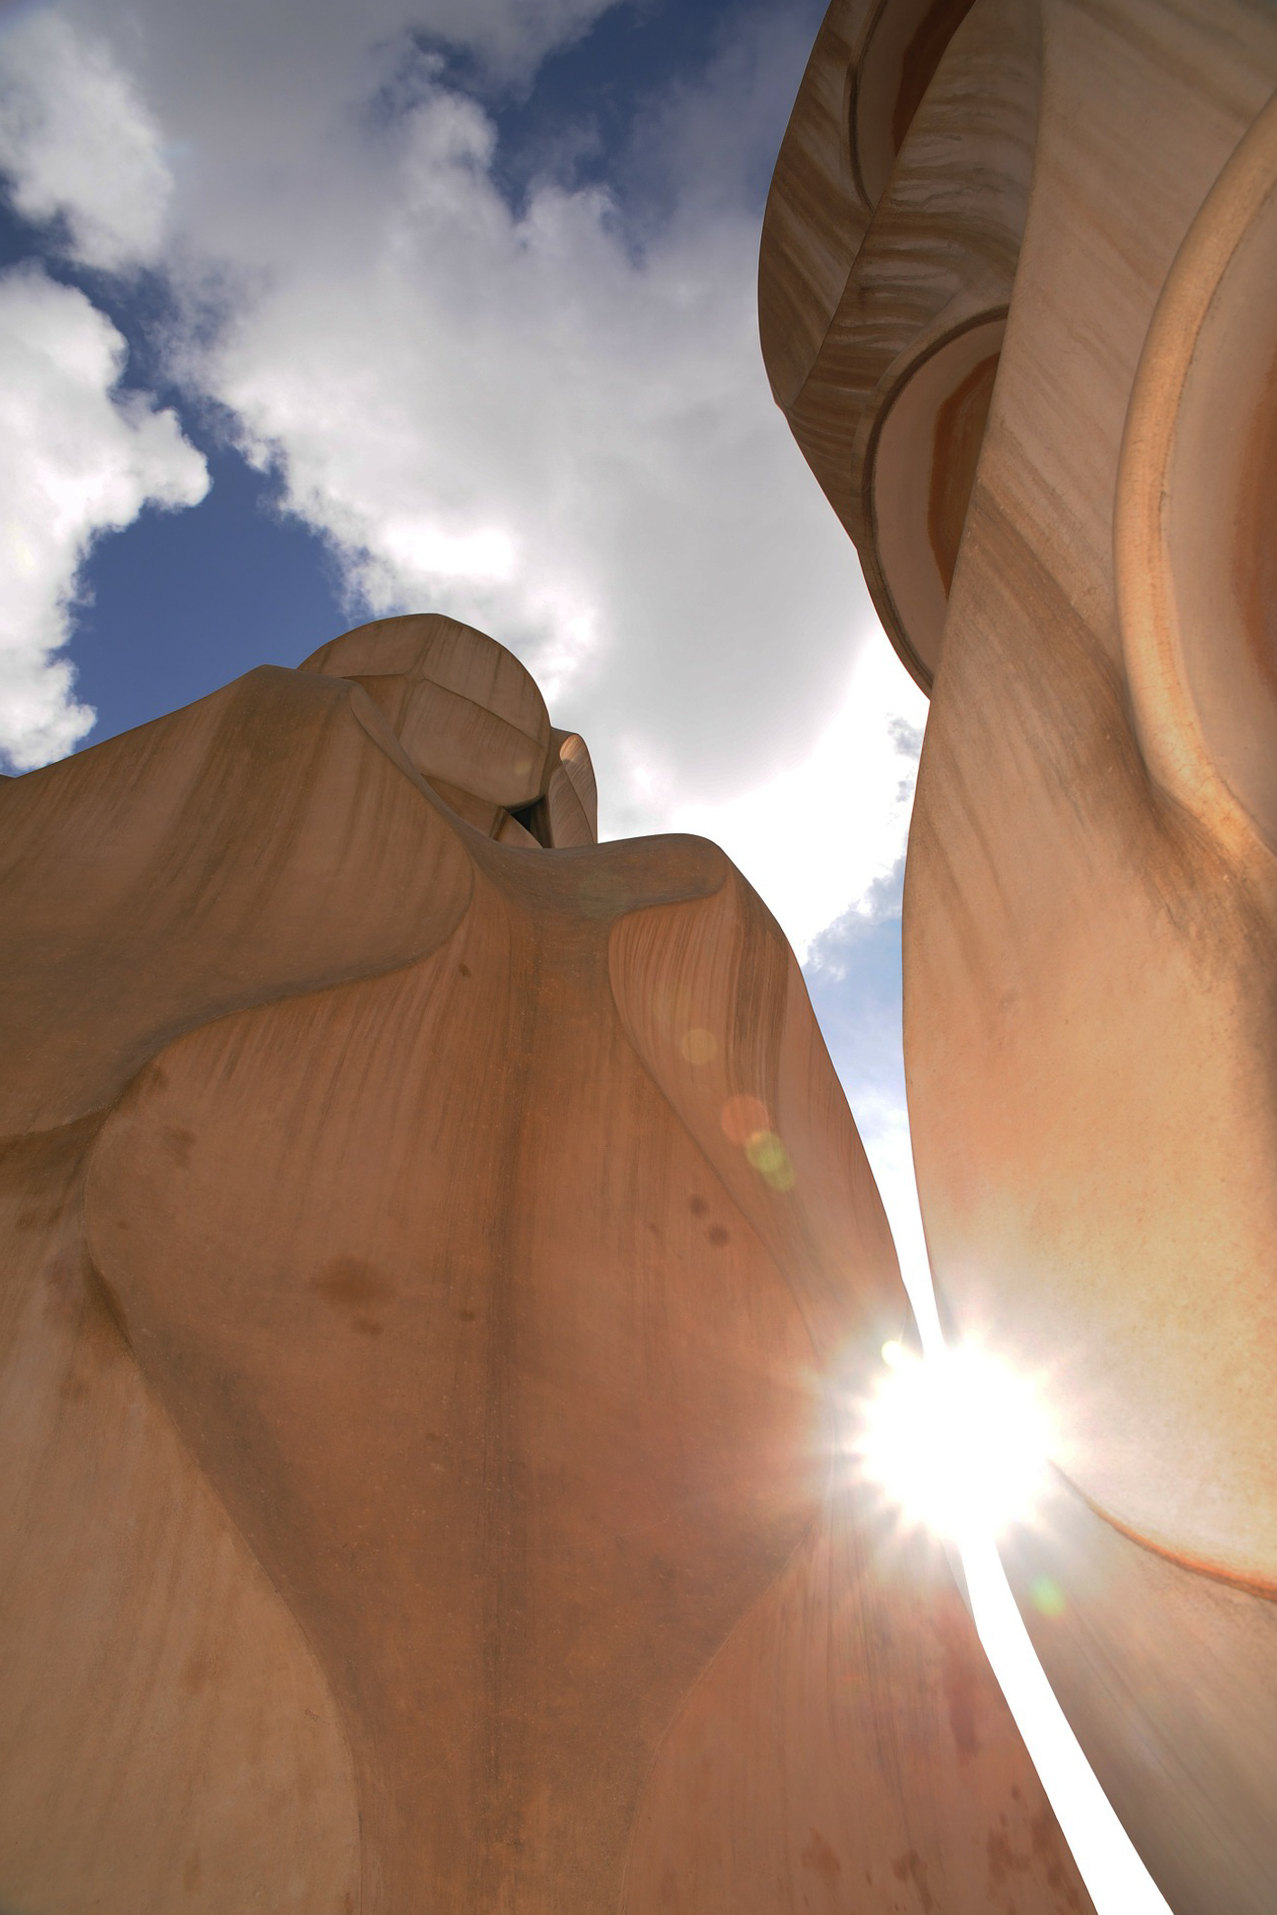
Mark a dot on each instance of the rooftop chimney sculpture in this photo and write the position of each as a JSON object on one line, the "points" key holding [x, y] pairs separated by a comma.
{"points": [[441, 1276], [1018, 296]]}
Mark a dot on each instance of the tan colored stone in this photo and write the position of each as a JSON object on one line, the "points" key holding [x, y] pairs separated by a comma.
{"points": [[424, 1410], [1091, 896]]}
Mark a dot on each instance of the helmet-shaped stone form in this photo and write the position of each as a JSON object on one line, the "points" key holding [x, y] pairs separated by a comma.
{"points": [[472, 721], [1019, 301], [441, 1279]]}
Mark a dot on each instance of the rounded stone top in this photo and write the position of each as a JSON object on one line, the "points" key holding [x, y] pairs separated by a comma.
{"points": [[472, 721]]}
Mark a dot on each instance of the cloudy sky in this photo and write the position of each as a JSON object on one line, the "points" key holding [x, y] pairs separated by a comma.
{"points": [[312, 312]]}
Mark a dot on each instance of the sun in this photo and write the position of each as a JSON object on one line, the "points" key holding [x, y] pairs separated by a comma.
{"points": [[957, 1440]]}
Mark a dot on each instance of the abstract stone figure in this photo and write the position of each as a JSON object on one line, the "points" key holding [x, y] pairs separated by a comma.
{"points": [[440, 1274], [1019, 301]]}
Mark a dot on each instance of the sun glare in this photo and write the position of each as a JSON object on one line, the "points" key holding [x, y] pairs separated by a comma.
{"points": [[957, 1440]]}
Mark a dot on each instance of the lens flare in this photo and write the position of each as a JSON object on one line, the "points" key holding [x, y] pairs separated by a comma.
{"points": [[957, 1440], [698, 1045], [743, 1118]]}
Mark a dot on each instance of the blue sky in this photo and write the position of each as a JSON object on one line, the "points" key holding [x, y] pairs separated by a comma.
{"points": [[311, 313], [176, 602]]}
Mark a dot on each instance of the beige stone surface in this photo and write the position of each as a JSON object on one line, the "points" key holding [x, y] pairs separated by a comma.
{"points": [[885, 378], [1090, 907], [440, 1272]]}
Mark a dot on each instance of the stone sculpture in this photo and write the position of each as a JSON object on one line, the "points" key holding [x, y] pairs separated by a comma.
{"points": [[440, 1274], [1018, 294]]}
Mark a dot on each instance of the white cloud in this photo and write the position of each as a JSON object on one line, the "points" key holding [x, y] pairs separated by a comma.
{"points": [[78, 142], [553, 421], [79, 459], [512, 36], [249, 94], [817, 838], [531, 421]]}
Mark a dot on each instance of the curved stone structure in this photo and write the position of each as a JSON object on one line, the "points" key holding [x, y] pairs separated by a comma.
{"points": [[884, 277], [440, 1275], [1091, 894]]}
